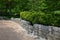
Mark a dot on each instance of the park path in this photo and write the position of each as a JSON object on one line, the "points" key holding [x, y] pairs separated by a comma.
{"points": [[10, 30]]}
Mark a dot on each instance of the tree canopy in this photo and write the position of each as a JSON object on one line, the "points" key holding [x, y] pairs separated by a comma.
{"points": [[47, 11]]}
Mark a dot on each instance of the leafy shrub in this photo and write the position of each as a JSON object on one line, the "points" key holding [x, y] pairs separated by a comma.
{"points": [[42, 18]]}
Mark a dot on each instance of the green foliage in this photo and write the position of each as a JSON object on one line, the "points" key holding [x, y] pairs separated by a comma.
{"points": [[45, 12], [12, 8], [42, 18]]}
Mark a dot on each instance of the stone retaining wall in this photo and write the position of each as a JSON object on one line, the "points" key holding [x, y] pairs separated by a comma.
{"points": [[41, 32]]}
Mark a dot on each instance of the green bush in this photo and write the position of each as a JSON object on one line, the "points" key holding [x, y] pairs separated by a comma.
{"points": [[52, 19]]}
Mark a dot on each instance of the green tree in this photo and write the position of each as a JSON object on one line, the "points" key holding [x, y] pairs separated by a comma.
{"points": [[12, 7], [45, 12]]}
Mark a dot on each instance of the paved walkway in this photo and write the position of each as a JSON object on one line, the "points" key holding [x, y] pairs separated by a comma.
{"points": [[10, 30]]}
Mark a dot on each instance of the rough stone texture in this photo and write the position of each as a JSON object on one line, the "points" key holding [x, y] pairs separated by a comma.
{"points": [[10, 30], [42, 32], [48, 32]]}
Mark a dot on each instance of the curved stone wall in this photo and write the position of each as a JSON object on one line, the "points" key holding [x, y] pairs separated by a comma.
{"points": [[41, 32]]}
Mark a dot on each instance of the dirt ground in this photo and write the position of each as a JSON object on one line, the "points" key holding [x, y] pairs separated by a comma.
{"points": [[10, 30]]}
